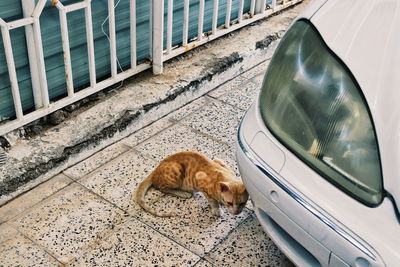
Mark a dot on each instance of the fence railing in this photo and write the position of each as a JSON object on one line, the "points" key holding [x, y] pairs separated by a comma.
{"points": [[163, 45]]}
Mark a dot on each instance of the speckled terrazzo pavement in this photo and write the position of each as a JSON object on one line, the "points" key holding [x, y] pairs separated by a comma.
{"points": [[86, 217]]}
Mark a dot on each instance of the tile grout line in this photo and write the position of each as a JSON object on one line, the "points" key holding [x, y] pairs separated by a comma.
{"points": [[226, 103], [262, 62], [202, 259], [179, 123], [37, 244], [251, 212], [33, 206], [205, 135], [99, 167], [230, 232], [132, 216], [169, 238], [97, 240], [205, 96], [124, 215]]}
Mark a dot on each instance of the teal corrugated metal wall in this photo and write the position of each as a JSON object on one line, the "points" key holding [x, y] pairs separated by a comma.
{"points": [[52, 46]]}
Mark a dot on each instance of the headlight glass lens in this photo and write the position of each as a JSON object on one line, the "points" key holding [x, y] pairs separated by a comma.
{"points": [[314, 106]]}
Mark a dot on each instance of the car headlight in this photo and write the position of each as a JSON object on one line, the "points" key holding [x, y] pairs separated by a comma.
{"points": [[311, 103]]}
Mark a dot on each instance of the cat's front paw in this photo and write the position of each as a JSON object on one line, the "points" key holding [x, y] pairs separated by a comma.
{"points": [[216, 212]]}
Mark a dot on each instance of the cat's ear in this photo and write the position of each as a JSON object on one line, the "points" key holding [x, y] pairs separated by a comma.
{"points": [[224, 186]]}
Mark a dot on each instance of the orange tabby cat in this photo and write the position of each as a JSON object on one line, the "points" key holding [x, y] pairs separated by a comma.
{"points": [[185, 172]]}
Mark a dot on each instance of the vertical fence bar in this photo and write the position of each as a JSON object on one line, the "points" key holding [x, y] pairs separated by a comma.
{"points": [[90, 44], [158, 21], [66, 49], [215, 17], [228, 13], [201, 19], [169, 25], [40, 62], [240, 13], [260, 6], [185, 22], [27, 9], [252, 7], [39, 8], [12, 71], [151, 27], [113, 45], [133, 32]]}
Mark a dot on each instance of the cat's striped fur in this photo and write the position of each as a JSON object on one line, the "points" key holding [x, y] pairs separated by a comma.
{"points": [[186, 172]]}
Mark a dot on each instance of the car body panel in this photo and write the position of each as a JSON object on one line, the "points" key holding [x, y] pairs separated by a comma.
{"points": [[365, 35], [311, 8]]}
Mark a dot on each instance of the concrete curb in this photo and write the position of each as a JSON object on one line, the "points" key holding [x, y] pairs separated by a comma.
{"points": [[145, 99]]}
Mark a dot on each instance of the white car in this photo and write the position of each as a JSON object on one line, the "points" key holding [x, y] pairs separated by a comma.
{"points": [[319, 151]]}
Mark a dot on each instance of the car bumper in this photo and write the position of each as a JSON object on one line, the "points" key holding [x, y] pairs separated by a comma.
{"points": [[304, 231]]}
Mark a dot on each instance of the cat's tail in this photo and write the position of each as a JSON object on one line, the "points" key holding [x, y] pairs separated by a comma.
{"points": [[140, 194]]}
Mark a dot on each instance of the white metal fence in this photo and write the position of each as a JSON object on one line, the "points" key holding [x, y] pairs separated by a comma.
{"points": [[32, 12]]}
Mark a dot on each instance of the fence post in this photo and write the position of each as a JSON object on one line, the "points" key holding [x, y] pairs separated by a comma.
{"points": [[35, 53], [27, 8], [158, 21], [37, 35], [12, 72]]}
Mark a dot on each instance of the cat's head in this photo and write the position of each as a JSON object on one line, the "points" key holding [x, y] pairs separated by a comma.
{"points": [[234, 196]]}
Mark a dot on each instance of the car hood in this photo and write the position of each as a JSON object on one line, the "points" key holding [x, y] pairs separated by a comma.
{"points": [[365, 35]]}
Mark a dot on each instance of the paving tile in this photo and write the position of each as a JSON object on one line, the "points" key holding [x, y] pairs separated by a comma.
{"points": [[147, 132], [238, 99], [248, 245], [69, 222], [242, 97], [134, 244], [179, 138], [95, 161], [189, 108], [17, 250], [193, 227], [33, 197], [218, 120], [117, 180], [260, 69], [228, 86]]}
